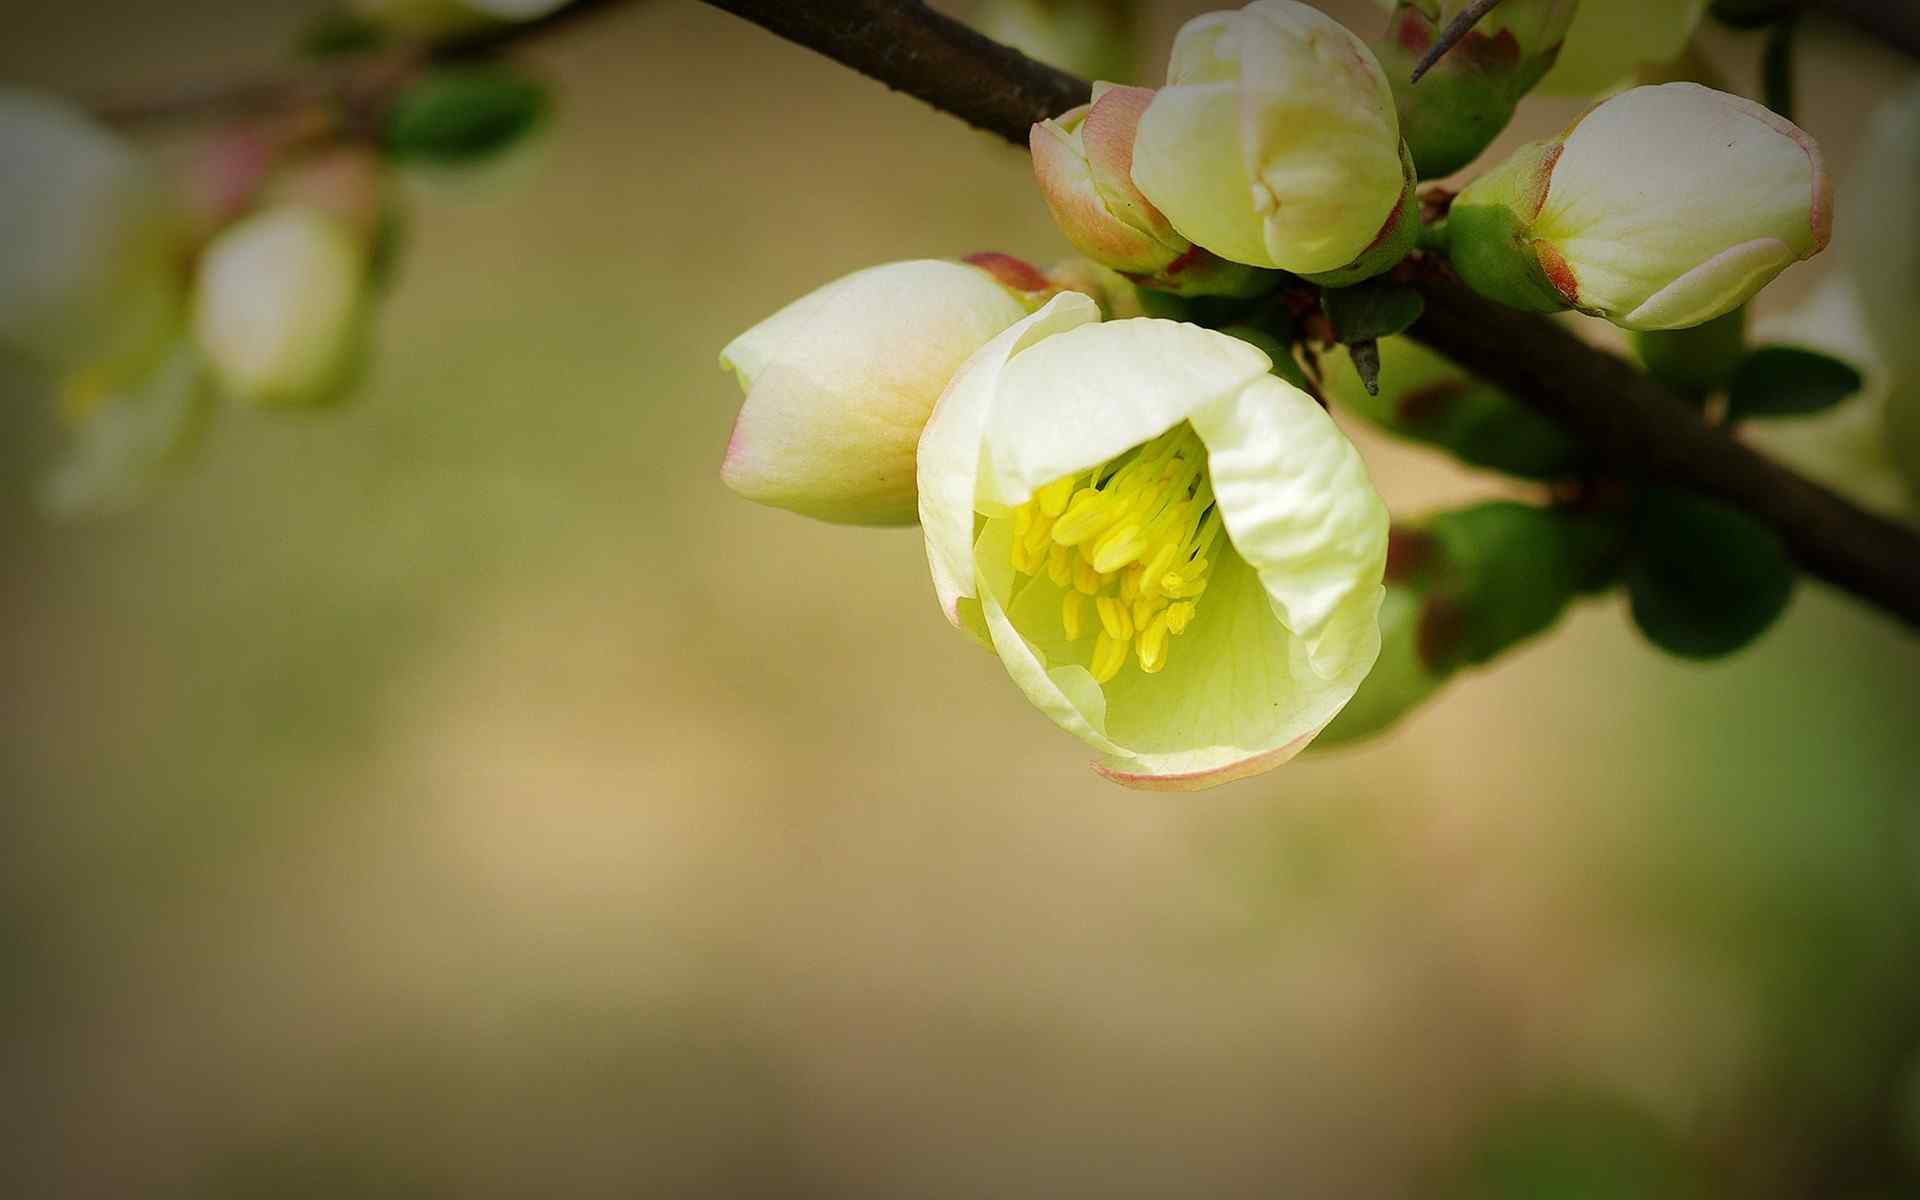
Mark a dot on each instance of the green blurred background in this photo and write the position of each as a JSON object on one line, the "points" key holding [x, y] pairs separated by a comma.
{"points": [[464, 794]]}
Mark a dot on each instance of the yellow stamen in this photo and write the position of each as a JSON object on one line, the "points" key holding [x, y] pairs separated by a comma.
{"points": [[1073, 615], [1152, 650], [1109, 655], [1131, 544]]}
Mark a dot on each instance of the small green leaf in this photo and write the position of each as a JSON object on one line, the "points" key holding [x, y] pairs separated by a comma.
{"points": [[1787, 381], [1372, 310], [1705, 580], [1505, 573], [1696, 362], [464, 115]]}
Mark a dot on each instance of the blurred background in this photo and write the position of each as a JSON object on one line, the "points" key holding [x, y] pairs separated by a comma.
{"points": [[463, 794]]}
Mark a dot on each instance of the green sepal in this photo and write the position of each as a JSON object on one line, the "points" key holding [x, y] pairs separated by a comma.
{"points": [[1489, 232]]}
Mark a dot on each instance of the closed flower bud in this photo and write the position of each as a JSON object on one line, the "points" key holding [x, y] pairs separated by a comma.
{"points": [[1662, 208], [1275, 143], [840, 383], [1083, 161], [280, 307], [1467, 98], [90, 277], [1611, 39]]}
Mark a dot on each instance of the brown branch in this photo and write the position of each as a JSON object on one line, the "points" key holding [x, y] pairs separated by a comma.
{"points": [[1895, 22], [353, 79], [1632, 423], [1453, 35]]}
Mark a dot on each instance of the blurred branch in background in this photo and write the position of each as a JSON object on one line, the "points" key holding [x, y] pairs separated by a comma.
{"points": [[361, 81], [1635, 424]]}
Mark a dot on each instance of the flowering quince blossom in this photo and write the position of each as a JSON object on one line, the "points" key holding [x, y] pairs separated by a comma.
{"points": [[839, 384], [1177, 556], [1275, 143], [1662, 208]]}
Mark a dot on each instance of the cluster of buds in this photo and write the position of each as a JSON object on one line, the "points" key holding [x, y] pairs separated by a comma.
{"points": [[145, 296], [1662, 208], [1274, 145]]}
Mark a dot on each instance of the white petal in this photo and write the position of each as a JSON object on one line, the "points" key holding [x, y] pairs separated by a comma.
{"points": [[1093, 392], [1187, 160], [1299, 507], [951, 448]]}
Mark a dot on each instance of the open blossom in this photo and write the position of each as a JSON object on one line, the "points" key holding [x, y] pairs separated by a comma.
{"points": [[840, 383], [1275, 143], [1177, 556], [89, 279], [1662, 208]]}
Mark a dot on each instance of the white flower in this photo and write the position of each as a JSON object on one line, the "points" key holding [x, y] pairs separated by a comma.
{"points": [[1177, 556], [1662, 208], [1275, 143], [840, 383]]}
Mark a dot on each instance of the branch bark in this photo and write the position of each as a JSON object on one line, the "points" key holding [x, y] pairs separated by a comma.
{"points": [[1636, 426]]}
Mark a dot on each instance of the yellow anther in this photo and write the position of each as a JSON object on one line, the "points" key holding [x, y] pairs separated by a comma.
{"points": [[1085, 517], [1054, 497], [1144, 609], [1130, 581], [1024, 560], [1023, 521], [1179, 616], [1039, 537], [1152, 647], [1060, 565], [1114, 618], [1073, 615], [1118, 547], [1109, 655], [1180, 588], [1086, 578]]}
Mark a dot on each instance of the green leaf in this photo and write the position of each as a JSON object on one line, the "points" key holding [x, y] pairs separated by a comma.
{"points": [[1372, 310], [1705, 580], [1787, 381], [464, 115]]}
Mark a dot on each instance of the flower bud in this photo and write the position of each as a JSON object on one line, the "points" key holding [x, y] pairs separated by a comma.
{"points": [[1611, 39], [1083, 161], [280, 307], [1466, 99], [1275, 143], [347, 183], [1662, 208], [89, 278], [840, 383]]}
